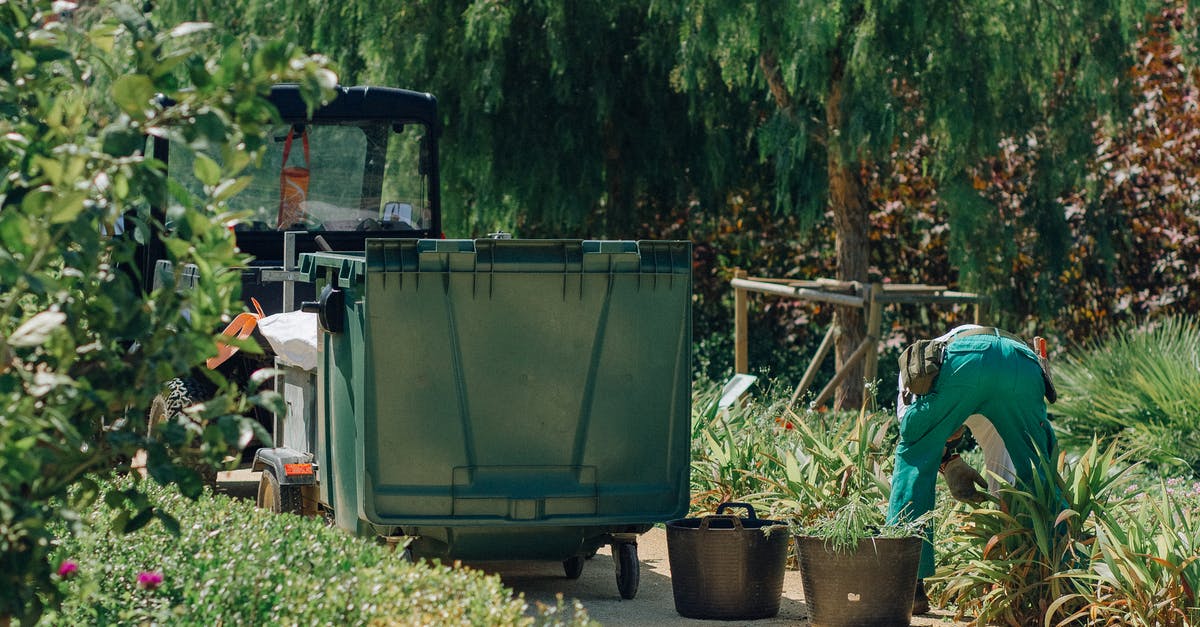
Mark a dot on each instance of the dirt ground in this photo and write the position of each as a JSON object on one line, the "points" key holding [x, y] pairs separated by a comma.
{"points": [[596, 589]]}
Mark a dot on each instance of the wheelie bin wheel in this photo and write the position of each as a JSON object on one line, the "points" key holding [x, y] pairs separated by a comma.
{"points": [[278, 498], [573, 566], [626, 561]]}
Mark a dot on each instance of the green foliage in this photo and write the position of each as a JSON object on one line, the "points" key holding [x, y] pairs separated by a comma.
{"points": [[1146, 564], [734, 451], [559, 118], [835, 460], [229, 562], [800, 467], [82, 349], [1021, 559], [1139, 388], [859, 519]]}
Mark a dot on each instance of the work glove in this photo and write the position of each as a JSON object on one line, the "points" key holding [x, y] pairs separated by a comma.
{"points": [[962, 479]]}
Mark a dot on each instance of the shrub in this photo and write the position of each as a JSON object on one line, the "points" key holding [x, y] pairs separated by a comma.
{"points": [[731, 450], [228, 562], [1146, 566], [1139, 388], [1021, 559], [797, 465], [82, 348], [832, 460]]}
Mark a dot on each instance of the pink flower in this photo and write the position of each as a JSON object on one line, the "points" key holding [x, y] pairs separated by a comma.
{"points": [[149, 580], [67, 569]]}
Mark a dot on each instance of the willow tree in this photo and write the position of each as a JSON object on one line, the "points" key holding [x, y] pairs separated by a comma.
{"points": [[559, 118], [851, 78]]}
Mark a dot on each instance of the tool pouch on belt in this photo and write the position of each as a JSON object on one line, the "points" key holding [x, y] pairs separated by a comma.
{"points": [[293, 185], [1039, 349], [919, 365]]}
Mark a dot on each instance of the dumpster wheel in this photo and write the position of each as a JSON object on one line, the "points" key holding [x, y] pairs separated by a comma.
{"points": [[625, 559], [573, 566], [277, 498]]}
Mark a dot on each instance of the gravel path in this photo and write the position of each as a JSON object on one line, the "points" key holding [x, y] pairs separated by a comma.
{"points": [[654, 604]]}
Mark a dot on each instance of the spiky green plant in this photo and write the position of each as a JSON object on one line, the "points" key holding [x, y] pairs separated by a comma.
{"points": [[1140, 388], [1023, 556], [828, 460], [733, 451], [1146, 567], [857, 519]]}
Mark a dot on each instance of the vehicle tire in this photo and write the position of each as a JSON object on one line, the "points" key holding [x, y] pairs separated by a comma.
{"points": [[176, 396], [625, 559], [573, 566], [279, 499]]}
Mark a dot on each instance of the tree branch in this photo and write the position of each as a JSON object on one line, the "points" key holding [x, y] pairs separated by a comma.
{"points": [[768, 62]]}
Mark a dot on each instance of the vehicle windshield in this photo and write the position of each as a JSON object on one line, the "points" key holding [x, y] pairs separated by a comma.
{"points": [[360, 176]]}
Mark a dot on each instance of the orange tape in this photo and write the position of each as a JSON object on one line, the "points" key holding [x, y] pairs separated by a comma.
{"points": [[242, 326]]}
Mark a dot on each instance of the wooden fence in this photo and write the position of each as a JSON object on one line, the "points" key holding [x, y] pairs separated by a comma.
{"points": [[871, 297]]}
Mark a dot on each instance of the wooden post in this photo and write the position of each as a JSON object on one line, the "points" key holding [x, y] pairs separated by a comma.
{"points": [[874, 333], [741, 334], [814, 365], [981, 310], [854, 358]]}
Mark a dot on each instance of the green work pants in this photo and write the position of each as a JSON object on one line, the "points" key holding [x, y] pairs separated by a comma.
{"points": [[981, 374]]}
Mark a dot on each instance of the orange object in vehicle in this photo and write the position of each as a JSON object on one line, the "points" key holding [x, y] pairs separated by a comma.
{"points": [[242, 326], [293, 185]]}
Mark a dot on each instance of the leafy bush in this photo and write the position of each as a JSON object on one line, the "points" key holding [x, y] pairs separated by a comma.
{"points": [[732, 451], [1020, 560], [800, 466], [1146, 566], [228, 562], [82, 348], [1139, 388]]}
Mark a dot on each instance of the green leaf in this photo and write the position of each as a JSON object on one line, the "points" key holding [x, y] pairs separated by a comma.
{"points": [[190, 28], [133, 93], [120, 141], [37, 330], [67, 207], [51, 168], [103, 36], [227, 189], [207, 170]]}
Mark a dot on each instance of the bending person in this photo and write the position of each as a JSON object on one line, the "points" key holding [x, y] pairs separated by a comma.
{"points": [[991, 382]]}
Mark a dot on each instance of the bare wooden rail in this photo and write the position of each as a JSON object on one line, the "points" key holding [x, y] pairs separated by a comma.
{"points": [[872, 297]]}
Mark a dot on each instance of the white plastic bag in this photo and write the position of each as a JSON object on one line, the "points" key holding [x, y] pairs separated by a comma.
{"points": [[293, 337]]}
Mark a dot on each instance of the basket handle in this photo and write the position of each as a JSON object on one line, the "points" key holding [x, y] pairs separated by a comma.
{"points": [[737, 522], [746, 506]]}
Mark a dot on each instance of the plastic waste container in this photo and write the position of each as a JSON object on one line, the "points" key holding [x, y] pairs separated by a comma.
{"points": [[505, 399]]}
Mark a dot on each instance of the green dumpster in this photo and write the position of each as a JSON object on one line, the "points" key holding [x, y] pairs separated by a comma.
{"points": [[503, 398]]}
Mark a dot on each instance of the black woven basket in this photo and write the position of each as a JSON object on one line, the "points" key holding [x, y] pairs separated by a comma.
{"points": [[725, 567], [872, 585]]}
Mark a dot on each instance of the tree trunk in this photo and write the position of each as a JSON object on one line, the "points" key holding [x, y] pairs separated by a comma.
{"points": [[852, 246], [617, 215]]}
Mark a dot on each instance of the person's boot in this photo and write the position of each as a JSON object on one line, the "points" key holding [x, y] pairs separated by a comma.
{"points": [[920, 599]]}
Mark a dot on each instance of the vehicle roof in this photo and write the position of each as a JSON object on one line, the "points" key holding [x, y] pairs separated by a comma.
{"points": [[359, 103]]}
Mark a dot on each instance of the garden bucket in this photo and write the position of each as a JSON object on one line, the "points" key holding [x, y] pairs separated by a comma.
{"points": [[726, 567], [871, 585]]}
